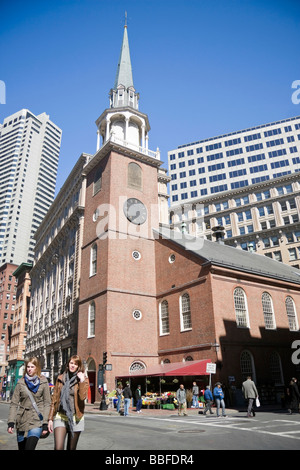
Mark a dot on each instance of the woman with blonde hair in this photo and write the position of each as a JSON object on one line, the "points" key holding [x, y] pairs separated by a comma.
{"points": [[67, 407], [31, 420]]}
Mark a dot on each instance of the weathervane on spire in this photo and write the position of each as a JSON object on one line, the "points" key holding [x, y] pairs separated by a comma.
{"points": [[125, 19]]}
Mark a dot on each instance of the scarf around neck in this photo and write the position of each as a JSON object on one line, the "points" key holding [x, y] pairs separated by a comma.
{"points": [[32, 383], [69, 381]]}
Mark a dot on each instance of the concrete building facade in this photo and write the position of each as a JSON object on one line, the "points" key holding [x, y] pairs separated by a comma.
{"points": [[234, 161], [55, 276], [29, 152], [264, 217]]}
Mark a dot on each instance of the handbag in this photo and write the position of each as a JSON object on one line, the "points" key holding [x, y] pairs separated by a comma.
{"points": [[42, 436], [257, 402]]}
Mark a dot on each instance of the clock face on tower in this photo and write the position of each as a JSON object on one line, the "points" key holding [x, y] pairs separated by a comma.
{"points": [[135, 211]]}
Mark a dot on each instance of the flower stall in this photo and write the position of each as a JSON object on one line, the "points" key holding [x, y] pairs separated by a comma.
{"points": [[160, 382]]}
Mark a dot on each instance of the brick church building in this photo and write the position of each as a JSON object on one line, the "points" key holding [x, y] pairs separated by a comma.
{"points": [[151, 296]]}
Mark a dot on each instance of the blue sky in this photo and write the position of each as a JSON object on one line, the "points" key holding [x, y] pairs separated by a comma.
{"points": [[202, 67]]}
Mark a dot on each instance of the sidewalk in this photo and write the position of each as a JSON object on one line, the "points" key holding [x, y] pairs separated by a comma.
{"points": [[94, 408]]}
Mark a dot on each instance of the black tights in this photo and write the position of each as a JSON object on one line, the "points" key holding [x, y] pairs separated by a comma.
{"points": [[29, 443], [60, 436]]}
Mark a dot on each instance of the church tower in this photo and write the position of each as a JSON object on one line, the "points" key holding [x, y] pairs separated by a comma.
{"points": [[124, 189], [123, 122]]}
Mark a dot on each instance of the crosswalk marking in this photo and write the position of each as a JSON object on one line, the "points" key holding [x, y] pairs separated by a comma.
{"points": [[232, 423]]}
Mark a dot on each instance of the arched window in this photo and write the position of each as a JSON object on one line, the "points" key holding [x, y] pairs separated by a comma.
{"points": [[268, 311], [93, 260], [135, 179], [276, 369], [291, 314], [247, 366], [164, 318], [91, 319], [185, 313], [97, 181], [136, 366], [241, 309], [188, 358]]}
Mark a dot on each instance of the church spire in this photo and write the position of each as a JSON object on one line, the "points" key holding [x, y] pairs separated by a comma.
{"points": [[124, 70], [122, 122], [123, 93]]}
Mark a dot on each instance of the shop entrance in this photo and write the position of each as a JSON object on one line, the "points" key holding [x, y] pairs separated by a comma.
{"points": [[91, 371]]}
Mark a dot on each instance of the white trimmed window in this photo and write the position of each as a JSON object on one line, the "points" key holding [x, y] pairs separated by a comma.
{"points": [[185, 313], [268, 311], [91, 319], [241, 308], [164, 318], [291, 314], [93, 260]]}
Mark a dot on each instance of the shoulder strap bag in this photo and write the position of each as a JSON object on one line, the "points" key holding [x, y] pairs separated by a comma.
{"points": [[34, 405], [43, 436]]}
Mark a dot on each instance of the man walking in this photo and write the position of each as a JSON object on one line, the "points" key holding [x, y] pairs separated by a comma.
{"points": [[181, 399], [250, 394], [208, 400]]}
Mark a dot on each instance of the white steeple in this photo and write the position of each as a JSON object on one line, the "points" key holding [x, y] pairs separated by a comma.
{"points": [[123, 122]]}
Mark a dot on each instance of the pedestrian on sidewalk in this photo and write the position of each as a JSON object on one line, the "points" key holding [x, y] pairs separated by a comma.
{"points": [[127, 394], [31, 421], [219, 399], [250, 394], [181, 399], [293, 396], [208, 397], [195, 390], [66, 417], [138, 399], [119, 392]]}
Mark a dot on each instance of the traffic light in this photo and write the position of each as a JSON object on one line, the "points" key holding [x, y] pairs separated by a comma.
{"points": [[104, 358]]}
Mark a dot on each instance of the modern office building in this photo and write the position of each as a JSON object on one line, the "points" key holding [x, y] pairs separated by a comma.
{"points": [[234, 161], [264, 217], [29, 152], [246, 182]]}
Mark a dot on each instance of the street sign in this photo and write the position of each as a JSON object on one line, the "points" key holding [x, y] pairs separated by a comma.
{"points": [[210, 368]]}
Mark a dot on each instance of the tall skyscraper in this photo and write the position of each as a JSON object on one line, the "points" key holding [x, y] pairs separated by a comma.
{"points": [[29, 151]]}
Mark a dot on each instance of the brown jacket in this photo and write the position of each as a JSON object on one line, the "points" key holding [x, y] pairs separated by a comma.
{"points": [[21, 410], [80, 394]]}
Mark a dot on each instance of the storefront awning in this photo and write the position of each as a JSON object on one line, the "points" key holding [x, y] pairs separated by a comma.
{"points": [[173, 369]]}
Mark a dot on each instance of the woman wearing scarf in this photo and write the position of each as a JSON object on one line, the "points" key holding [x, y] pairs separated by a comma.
{"points": [[29, 424], [67, 407]]}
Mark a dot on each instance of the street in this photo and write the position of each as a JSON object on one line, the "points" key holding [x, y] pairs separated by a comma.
{"points": [[269, 430]]}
